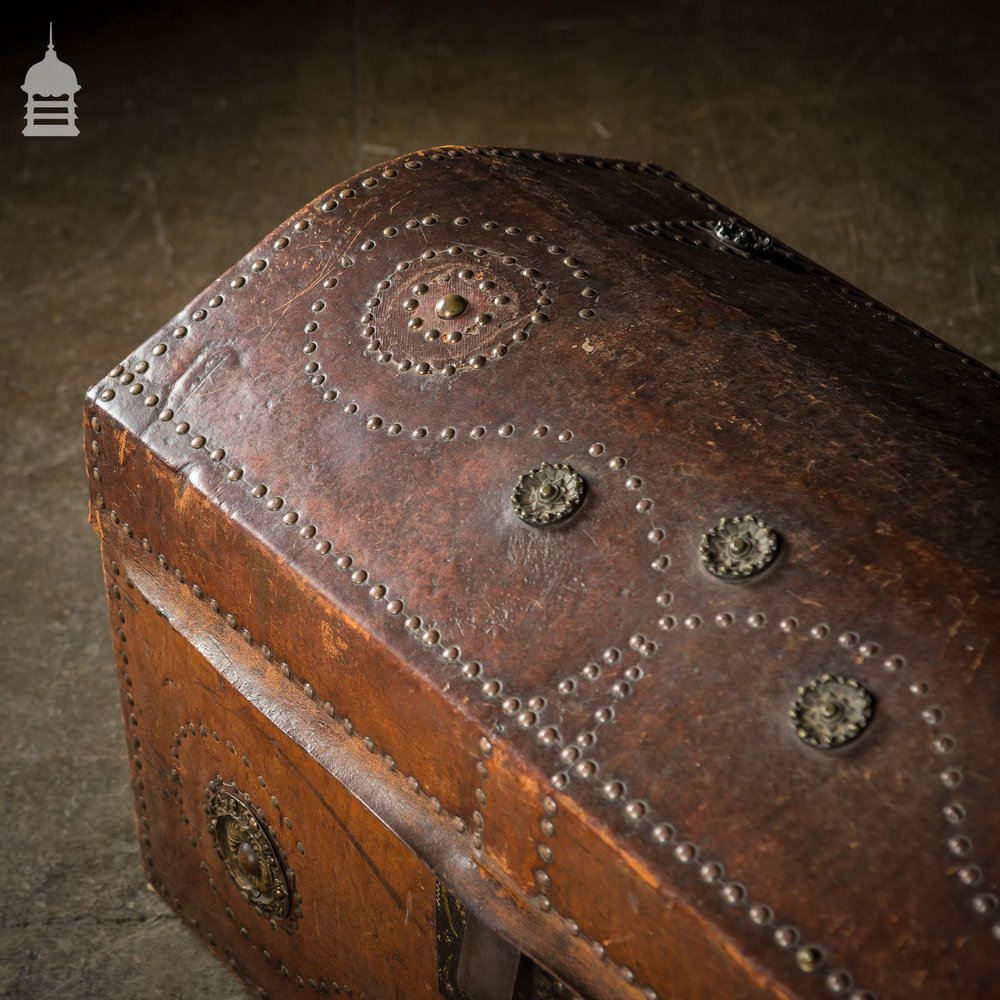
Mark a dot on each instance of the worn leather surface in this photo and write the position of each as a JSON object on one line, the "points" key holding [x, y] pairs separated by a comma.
{"points": [[684, 382]]}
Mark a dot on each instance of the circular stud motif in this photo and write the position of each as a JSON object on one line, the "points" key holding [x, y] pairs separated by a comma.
{"points": [[738, 547], [453, 309], [831, 711], [246, 850], [548, 494]]}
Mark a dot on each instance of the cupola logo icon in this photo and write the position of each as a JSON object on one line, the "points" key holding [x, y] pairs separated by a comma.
{"points": [[51, 88]]}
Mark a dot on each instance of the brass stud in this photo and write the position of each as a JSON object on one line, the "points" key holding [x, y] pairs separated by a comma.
{"points": [[738, 547], [809, 959], [548, 494], [830, 711], [451, 306]]}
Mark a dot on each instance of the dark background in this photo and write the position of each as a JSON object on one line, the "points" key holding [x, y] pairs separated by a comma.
{"points": [[863, 134]]}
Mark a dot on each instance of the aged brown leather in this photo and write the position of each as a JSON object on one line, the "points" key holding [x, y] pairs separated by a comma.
{"points": [[323, 598]]}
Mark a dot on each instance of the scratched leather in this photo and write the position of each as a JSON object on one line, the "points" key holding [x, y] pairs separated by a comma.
{"points": [[729, 385]]}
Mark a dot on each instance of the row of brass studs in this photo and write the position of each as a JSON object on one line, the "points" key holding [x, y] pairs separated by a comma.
{"points": [[427, 634], [830, 711], [735, 549], [286, 671], [845, 640], [510, 703], [485, 747], [733, 235], [808, 957], [116, 594]]}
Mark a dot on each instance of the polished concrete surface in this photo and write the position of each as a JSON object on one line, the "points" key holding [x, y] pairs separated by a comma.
{"points": [[863, 134]]}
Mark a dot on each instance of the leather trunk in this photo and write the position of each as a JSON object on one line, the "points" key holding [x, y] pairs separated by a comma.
{"points": [[527, 577]]}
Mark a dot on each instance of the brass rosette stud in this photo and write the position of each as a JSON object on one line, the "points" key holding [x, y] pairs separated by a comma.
{"points": [[831, 710], [548, 494], [738, 547], [245, 848]]}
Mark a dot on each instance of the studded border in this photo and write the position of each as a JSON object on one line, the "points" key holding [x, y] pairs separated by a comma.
{"points": [[115, 596], [808, 957], [761, 913], [699, 233], [526, 708], [347, 195], [959, 845], [289, 673]]}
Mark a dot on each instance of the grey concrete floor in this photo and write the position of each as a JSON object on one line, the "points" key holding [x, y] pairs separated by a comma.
{"points": [[863, 134]]}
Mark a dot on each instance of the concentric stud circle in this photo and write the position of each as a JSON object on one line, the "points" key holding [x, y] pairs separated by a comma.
{"points": [[548, 494], [831, 710], [738, 547], [452, 309]]}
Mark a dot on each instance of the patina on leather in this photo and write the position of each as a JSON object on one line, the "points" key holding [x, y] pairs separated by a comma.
{"points": [[610, 708]]}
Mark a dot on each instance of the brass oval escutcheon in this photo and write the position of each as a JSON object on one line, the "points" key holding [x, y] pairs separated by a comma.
{"points": [[246, 850]]}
